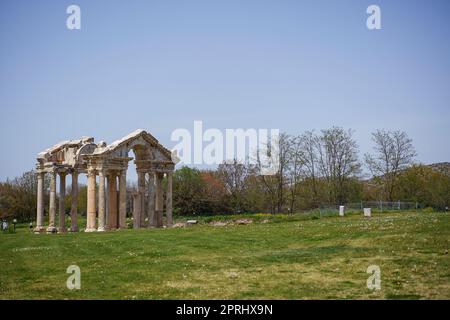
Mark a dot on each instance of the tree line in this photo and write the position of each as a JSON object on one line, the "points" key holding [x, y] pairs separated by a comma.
{"points": [[313, 169]]}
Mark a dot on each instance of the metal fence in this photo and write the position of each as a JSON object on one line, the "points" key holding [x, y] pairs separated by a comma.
{"points": [[379, 206]]}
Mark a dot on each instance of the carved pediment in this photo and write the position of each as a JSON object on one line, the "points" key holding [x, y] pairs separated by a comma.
{"points": [[65, 152], [144, 145], [77, 153]]}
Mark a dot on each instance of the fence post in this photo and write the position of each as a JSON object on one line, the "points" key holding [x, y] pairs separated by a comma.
{"points": [[361, 205], [381, 206], [399, 205]]}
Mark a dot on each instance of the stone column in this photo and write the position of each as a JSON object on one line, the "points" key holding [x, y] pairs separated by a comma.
{"points": [[52, 210], [101, 201], [112, 197], [123, 199], [74, 204], [40, 203], [107, 204], [62, 202], [169, 200], [159, 200], [91, 202], [141, 195], [136, 210], [151, 200]]}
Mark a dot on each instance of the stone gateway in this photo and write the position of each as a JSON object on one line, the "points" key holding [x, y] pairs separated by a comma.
{"points": [[106, 204]]}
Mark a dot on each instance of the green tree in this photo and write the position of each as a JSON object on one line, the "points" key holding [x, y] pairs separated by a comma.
{"points": [[188, 188], [425, 185]]}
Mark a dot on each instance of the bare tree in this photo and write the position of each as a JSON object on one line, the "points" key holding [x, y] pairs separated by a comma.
{"points": [[309, 156], [295, 167], [274, 183], [394, 153], [337, 160]]}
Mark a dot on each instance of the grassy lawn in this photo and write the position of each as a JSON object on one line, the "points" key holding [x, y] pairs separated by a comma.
{"points": [[281, 257]]}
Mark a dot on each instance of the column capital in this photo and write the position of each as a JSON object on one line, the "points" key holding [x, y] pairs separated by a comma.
{"points": [[142, 170], [111, 173], [53, 175], [40, 167]]}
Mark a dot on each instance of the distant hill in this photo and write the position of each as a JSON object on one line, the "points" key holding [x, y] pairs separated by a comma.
{"points": [[443, 167]]}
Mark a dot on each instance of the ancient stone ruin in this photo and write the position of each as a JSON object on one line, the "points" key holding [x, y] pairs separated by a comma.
{"points": [[106, 205]]}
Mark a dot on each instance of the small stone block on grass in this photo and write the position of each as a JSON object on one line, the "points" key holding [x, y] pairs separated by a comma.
{"points": [[341, 210]]}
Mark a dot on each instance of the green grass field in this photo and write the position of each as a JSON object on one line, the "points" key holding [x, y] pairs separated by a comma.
{"points": [[276, 257]]}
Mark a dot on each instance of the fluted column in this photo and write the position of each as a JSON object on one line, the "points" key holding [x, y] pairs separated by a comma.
{"points": [[141, 196], [169, 200], [101, 201], [40, 203], [91, 199], [74, 203], [62, 202], [151, 200], [52, 206], [106, 203], [136, 210], [112, 197], [159, 202], [123, 199]]}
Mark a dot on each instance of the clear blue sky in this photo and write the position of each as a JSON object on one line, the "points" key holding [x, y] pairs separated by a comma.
{"points": [[160, 65]]}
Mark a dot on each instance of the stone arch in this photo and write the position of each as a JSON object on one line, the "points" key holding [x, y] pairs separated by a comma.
{"points": [[110, 164]]}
